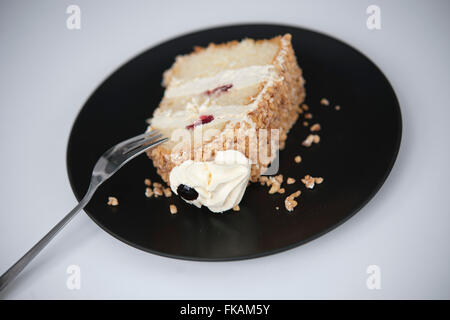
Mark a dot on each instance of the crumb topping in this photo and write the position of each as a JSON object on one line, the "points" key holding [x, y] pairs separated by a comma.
{"points": [[279, 178], [315, 127], [263, 180], [158, 192], [157, 185], [148, 182], [310, 181], [298, 159], [324, 102], [173, 209], [112, 201], [167, 192], [290, 202], [290, 180], [310, 139], [275, 187], [148, 192]]}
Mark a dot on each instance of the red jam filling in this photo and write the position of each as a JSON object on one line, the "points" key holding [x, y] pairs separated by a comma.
{"points": [[202, 120], [219, 89]]}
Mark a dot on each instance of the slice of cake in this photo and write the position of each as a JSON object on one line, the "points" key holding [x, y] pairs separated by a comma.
{"points": [[227, 109]]}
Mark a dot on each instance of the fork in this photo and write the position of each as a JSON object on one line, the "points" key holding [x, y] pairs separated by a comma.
{"points": [[108, 164]]}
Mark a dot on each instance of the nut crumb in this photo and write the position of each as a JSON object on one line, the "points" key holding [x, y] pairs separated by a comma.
{"points": [[290, 180], [275, 187], [173, 209], [316, 138], [148, 182], [309, 181], [148, 192], [157, 185], [315, 127], [279, 178], [167, 192], [298, 159], [112, 201], [263, 180], [310, 139], [318, 180], [290, 202], [324, 102], [236, 208], [157, 192]]}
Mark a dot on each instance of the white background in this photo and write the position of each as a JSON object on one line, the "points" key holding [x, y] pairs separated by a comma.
{"points": [[47, 72]]}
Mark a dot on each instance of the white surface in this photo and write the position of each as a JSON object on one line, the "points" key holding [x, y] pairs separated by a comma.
{"points": [[47, 73]]}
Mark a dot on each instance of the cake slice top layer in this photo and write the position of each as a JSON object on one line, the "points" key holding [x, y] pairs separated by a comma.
{"points": [[218, 85], [206, 62]]}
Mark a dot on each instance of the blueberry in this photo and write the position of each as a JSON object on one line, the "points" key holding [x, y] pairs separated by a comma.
{"points": [[187, 193]]}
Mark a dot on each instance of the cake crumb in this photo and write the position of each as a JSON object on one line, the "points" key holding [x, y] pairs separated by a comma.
{"points": [[290, 180], [305, 123], [263, 180], [279, 178], [157, 192], [148, 192], [112, 201], [148, 182], [305, 107], [324, 102], [167, 192], [310, 139], [173, 209], [308, 115], [298, 159], [315, 127], [290, 202], [157, 185], [275, 187], [282, 190], [316, 138], [310, 181], [337, 108], [236, 208]]}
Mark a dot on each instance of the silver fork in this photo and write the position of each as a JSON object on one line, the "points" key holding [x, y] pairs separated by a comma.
{"points": [[108, 164]]}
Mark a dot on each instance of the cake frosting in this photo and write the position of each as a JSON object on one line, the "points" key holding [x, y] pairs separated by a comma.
{"points": [[238, 79], [220, 184]]}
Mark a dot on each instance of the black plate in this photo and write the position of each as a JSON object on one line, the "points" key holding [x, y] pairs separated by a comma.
{"points": [[357, 151]]}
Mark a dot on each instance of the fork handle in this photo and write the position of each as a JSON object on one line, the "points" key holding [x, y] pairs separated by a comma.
{"points": [[12, 272]]}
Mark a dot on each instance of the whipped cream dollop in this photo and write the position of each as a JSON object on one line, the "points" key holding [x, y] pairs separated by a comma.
{"points": [[220, 184]]}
